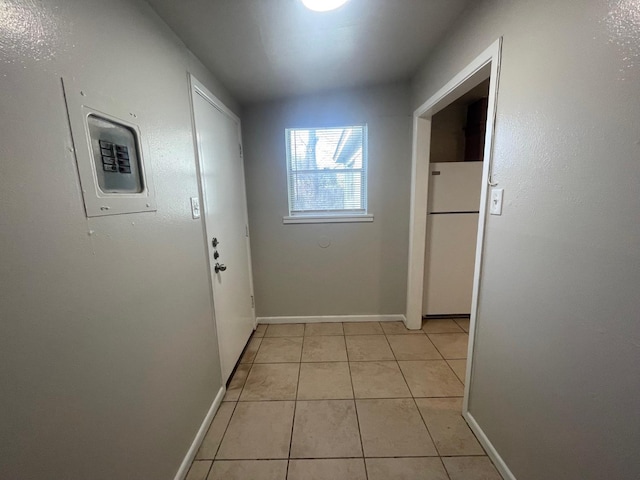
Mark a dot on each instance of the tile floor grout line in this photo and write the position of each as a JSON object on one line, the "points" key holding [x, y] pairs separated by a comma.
{"points": [[358, 361], [444, 467], [355, 407], [416, 404], [275, 459], [465, 455], [447, 333], [325, 335], [374, 457], [461, 380], [357, 334], [477, 440], [436, 346], [398, 365], [223, 460], [225, 431], [243, 383], [332, 399], [211, 466], [424, 422], [448, 366], [460, 329], [293, 420], [253, 360], [234, 406], [194, 461]]}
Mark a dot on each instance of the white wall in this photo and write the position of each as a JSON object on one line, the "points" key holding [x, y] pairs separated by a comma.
{"points": [[109, 354], [555, 382], [364, 269]]}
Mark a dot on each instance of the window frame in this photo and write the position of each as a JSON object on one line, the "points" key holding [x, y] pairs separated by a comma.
{"points": [[330, 216]]}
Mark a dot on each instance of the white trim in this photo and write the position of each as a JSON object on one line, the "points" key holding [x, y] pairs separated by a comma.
{"points": [[418, 219], [211, 98], [327, 219], [197, 441], [333, 318], [487, 64], [494, 52], [489, 448], [364, 170]]}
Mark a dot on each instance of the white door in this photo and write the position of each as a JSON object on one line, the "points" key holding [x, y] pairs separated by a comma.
{"points": [[225, 214]]}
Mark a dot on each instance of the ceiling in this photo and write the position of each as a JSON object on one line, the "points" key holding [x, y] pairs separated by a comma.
{"points": [[267, 49]]}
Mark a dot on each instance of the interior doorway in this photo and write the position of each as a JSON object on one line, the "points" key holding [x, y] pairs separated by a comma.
{"points": [[455, 180], [485, 67]]}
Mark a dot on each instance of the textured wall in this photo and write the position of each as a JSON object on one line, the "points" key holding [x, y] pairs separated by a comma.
{"points": [[109, 354], [364, 269], [555, 381]]}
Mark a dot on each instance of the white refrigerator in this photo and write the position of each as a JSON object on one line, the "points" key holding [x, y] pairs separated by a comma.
{"points": [[452, 230]]}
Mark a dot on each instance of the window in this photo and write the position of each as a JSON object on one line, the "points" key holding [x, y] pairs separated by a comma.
{"points": [[327, 173]]}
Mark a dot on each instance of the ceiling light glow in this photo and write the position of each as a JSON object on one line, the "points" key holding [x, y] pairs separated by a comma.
{"points": [[323, 5]]}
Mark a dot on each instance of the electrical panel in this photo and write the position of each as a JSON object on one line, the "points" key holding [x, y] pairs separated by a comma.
{"points": [[115, 155], [109, 152]]}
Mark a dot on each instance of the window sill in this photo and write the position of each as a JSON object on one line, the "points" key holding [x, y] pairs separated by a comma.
{"points": [[327, 219]]}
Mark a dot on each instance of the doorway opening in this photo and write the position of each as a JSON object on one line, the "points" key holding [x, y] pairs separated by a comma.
{"points": [[456, 157], [482, 73]]}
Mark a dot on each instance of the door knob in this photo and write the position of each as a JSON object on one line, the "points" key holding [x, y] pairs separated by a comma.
{"points": [[219, 268], [215, 242]]}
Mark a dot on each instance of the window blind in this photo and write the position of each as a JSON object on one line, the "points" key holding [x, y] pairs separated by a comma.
{"points": [[327, 170]]}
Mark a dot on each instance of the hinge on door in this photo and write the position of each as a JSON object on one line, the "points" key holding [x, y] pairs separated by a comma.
{"points": [[246, 231], [240, 147], [253, 303]]}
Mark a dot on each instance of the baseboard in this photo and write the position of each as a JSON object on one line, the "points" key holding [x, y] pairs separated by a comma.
{"points": [[488, 446], [202, 431], [333, 318]]}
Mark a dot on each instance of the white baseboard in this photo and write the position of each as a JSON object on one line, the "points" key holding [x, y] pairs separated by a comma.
{"points": [[334, 318], [490, 449], [202, 431]]}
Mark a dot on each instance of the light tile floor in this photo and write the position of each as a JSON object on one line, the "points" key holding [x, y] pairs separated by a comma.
{"points": [[356, 401]]}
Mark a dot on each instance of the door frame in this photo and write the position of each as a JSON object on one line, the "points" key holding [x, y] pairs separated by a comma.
{"points": [[486, 65], [197, 88]]}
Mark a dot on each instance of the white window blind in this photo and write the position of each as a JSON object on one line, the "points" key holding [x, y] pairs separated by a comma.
{"points": [[327, 170]]}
